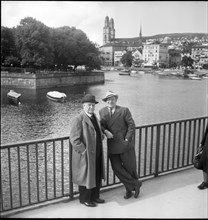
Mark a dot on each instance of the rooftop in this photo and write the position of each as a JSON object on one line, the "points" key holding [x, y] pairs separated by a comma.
{"points": [[172, 195]]}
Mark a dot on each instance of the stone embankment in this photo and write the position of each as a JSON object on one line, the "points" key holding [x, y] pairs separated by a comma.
{"points": [[50, 79]]}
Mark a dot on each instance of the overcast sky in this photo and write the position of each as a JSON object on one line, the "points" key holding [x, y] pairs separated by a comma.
{"points": [[155, 17]]}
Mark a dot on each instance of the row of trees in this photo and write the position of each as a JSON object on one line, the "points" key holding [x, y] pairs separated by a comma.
{"points": [[33, 44]]}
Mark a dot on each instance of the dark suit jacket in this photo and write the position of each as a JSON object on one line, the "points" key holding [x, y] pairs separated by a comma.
{"points": [[122, 126]]}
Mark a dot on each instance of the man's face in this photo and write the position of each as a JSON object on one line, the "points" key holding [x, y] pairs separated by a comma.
{"points": [[89, 107], [111, 102]]}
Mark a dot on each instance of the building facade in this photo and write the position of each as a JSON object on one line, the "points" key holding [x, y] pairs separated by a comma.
{"points": [[200, 55], [155, 54]]}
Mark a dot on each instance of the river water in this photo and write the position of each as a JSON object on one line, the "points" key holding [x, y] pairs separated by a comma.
{"points": [[150, 98]]}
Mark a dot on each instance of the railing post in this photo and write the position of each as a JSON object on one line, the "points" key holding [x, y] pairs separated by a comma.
{"points": [[71, 190], [157, 150]]}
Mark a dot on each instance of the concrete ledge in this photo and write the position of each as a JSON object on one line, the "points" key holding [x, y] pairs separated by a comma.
{"points": [[50, 79]]}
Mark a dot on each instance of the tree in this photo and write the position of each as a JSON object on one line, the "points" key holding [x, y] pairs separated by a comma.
{"points": [[40, 46], [127, 59], [11, 60], [187, 61], [72, 47], [92, 62], [205, 66], [34, 42], [187, 46], [8, 48]]}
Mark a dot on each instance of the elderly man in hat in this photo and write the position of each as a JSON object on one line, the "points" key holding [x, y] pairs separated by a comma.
{"points": [[119, 128], [87, 153]]}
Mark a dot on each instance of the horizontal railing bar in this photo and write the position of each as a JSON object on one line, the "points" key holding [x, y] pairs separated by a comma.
{"points": [[171, 122], [17, 144]]}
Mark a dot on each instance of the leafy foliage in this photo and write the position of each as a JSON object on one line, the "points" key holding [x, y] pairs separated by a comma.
{"points": [[33, 44], [8, 48], [72, 47], [205, 66], [187, 46], [127, 59], [187, 61], [11, 60]]}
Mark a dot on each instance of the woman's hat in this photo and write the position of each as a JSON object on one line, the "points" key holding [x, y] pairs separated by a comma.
{"points": [[108, 95], [89, 98]]}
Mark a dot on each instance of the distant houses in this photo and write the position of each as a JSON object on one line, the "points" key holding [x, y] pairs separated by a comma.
{"points": [[165, 51]]}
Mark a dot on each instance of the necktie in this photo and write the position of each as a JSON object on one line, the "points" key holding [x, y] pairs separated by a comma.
{"points": [[111, 111]]}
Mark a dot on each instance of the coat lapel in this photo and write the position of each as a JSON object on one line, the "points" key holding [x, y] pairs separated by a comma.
{"points": [[116, 114], [88, 121]]}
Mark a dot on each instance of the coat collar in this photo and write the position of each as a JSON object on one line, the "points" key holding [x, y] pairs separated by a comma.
{"points": [[87, 119]]}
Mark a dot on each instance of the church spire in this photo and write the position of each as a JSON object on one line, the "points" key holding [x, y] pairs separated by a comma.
{"points": [[140, 34]]}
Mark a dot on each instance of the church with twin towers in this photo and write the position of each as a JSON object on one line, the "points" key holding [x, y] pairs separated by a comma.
{"points": [[109, 34], [113, 48]]}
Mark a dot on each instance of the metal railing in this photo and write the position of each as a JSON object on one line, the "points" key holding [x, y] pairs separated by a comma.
{"points": [[35, 172]]}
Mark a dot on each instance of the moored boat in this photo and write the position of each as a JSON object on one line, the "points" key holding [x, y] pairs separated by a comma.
{"points": [[56, 96], [195, 77], [13, 97], [124, 72], [134, 73]]}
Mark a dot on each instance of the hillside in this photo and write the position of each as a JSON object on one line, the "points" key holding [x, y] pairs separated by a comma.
{"points": [[177, 35]]}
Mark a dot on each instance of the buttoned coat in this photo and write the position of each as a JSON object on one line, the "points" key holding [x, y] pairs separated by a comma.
{"points": [[204, 159], [83, 141], [122, 126]]}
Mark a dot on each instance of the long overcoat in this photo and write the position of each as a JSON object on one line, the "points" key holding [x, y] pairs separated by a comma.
{"points": [[122, 126], [83, 141], [204, 159]]}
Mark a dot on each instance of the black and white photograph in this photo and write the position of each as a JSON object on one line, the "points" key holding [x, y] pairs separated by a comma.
{"points": [[104, 109]]}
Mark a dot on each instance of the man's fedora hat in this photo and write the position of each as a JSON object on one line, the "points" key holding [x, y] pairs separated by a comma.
{"points": [[108, 95], [89, 98]]}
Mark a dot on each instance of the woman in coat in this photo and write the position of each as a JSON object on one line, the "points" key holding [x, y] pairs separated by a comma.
{"points": [[204, 160], [87, 153]]}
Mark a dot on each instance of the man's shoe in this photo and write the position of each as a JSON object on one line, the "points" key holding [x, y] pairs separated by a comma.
{"points": [[203, 185], [89, 204], [98, 200], [137, 189], [128, 195]]}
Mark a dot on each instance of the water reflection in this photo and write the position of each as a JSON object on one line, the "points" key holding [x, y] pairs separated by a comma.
{"points": [[150, 98]]}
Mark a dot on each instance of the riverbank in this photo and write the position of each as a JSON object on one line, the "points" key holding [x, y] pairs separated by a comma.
{"points": [[50, 79]]}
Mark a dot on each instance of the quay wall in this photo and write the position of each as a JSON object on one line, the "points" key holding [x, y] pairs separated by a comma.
{"points": [[50, 79]]}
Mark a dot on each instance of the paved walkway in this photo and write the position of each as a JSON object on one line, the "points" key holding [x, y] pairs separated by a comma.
{"points": [[169, 196]]}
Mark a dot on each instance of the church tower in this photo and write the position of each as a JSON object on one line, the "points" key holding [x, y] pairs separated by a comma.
{"points": [[112, 29], [108, 30], [140, 34]]}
